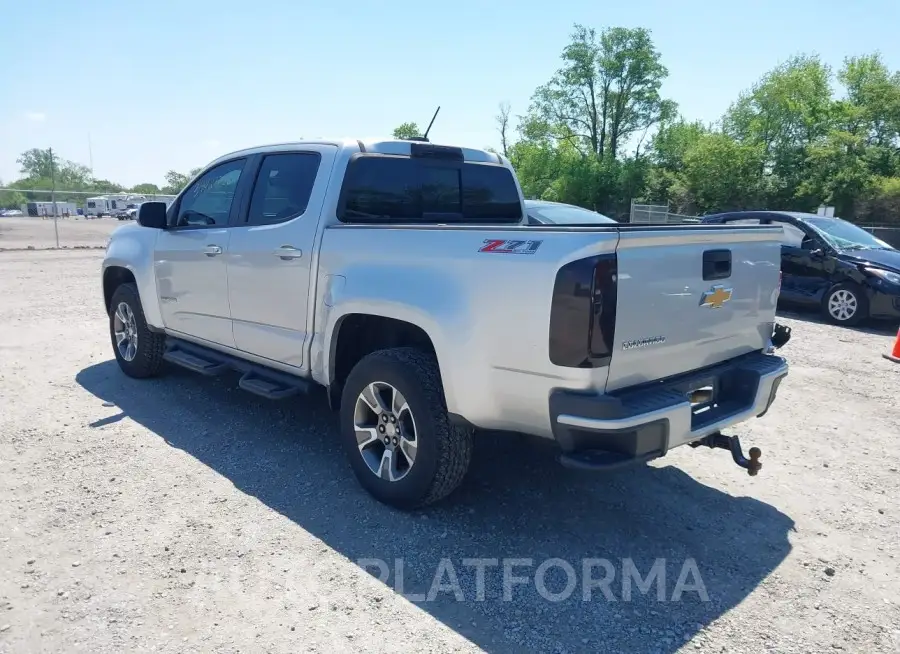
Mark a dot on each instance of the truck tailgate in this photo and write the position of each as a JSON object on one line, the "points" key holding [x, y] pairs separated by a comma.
{"points": [[691, 297]]}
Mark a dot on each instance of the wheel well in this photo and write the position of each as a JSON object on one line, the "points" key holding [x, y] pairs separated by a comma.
{"points": [[361, 334], [113, 278]]}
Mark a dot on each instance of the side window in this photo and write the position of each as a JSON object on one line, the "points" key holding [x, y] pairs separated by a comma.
{"points": [[207, 202], [283, 186], [793, 235]]}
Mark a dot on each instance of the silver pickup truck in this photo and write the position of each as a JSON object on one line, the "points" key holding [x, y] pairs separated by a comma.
{"points": [[403, 277]]}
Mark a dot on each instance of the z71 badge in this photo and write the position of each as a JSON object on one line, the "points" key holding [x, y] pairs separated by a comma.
{"points": [[505, 246]]}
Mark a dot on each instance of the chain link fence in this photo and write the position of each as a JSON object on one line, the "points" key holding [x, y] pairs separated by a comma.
{"points": [[38, 219], [658, 214]]}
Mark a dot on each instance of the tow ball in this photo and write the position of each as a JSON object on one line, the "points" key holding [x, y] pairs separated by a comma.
{"points": [[733, 445]]}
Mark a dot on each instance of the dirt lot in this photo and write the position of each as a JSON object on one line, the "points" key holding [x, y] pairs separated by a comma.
{"points": [[39, 234], [183, 515]]}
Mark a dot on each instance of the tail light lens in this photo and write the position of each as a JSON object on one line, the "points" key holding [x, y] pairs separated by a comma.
{"points": [[583, 312]]}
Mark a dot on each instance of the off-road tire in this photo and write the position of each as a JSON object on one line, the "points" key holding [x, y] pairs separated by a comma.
{"points": [[148, 361], [444, 449]]}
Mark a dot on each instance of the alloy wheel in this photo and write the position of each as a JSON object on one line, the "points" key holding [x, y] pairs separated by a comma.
{"points": [[385, 431]]}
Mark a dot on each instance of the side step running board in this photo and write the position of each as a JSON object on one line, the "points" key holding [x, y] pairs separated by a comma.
{"points": [[259, 380], [267, 388], [194, 363]]}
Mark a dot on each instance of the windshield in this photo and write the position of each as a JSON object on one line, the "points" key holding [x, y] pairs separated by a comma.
{"points": [[846, 236], [563, 214]]}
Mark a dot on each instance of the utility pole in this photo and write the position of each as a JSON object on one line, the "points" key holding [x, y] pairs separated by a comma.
{"points": [[53, 198]]}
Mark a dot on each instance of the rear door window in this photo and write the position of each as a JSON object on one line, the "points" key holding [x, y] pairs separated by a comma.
{"points": [[283, 187], [389, 189]]}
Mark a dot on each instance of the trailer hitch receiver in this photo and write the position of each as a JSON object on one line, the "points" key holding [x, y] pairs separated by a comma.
{"points": [[733, 444]]}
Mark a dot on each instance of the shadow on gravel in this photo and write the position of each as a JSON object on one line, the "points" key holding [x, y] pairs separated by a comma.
{"points": [[517, 502]]}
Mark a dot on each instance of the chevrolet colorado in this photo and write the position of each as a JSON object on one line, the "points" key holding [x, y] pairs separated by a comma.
{"points": [[404, 278]]}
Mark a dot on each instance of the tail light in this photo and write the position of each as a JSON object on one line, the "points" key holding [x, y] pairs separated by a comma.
{"points": [[583, 312]]}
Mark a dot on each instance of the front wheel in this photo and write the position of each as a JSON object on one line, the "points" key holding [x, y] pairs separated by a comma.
{"points": [[138, 351], [845, 304], [396, 431]]}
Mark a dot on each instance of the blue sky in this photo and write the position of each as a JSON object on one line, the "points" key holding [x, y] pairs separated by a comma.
{"points": [[172, 84]]}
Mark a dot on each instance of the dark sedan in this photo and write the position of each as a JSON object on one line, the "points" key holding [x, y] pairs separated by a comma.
{"points": [[544, 212], [831, 265]]}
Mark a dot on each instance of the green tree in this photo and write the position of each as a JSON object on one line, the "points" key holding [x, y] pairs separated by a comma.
{"points": [[606, 92], [721, 174], [665, 177], [838, 172], [871, 110], [146, 189], [11, 199], [176, 181], [35, 163], [406, 131], [881, 202], [785, 114], [105, 186]]}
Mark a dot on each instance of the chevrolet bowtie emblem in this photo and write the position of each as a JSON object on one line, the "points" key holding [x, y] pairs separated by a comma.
{"points": [[715, 297]]}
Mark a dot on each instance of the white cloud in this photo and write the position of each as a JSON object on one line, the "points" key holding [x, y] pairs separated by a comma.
{"points": [[35, 116]]}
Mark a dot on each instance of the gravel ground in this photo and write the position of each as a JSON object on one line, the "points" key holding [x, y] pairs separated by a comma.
{"points": [[39, 234], [183, 515]]}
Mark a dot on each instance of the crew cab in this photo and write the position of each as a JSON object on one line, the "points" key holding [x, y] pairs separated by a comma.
{"points": [[405, 279]]}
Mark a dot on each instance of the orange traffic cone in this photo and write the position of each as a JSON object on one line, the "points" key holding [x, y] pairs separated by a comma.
{"points": [[895, 353]]}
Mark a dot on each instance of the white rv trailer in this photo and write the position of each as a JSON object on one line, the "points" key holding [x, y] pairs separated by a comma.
{"points": [[97, 206], [46, 209]]}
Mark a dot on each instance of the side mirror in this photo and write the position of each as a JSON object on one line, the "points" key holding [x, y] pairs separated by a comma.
{"points": [[153, 215], [817, 253]]}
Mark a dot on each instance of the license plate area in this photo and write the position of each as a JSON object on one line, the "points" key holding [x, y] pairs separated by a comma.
{"points": [[701, 393]]}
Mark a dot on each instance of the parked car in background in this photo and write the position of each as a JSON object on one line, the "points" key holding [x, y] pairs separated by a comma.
{"points": [[129, 213], [544, 212], [11, 213], [831, 265]]}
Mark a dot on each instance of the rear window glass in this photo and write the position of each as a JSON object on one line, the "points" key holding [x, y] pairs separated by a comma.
{"points": [[400, 189]]}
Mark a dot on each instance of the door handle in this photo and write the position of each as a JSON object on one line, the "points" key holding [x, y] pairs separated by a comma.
{"points": [[288, 252], [212, 250]]}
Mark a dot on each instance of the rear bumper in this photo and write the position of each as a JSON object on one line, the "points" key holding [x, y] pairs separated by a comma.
{"points": [[643, 423]]}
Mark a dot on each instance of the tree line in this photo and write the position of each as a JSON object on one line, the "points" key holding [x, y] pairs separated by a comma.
{"points": [[41, 170], [599, 134]]}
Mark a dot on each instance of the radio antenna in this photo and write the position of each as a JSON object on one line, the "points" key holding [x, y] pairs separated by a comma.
{"points": [[425, 135]]}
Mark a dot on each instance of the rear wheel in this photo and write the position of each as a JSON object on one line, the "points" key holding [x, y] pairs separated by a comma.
{"points": [[138, 350], [396, 432], [845, 304]]}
